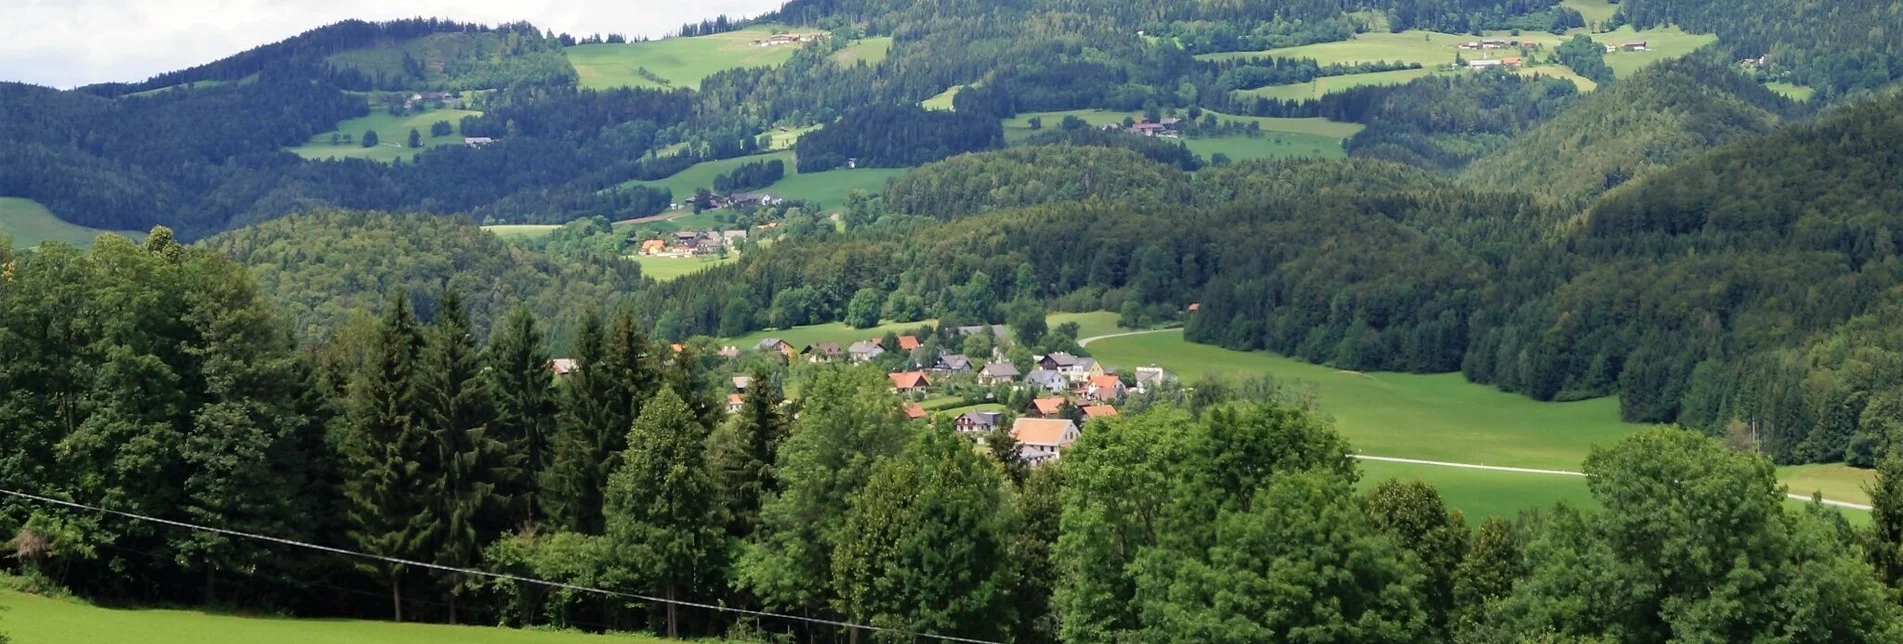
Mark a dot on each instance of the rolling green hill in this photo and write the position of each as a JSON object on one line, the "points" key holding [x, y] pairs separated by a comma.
{"points": [[393, 133], [678, 62], [28, 224], [460, 61]]}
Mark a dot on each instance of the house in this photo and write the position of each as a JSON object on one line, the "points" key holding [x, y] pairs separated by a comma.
{"points": [[563, 366], [729, 352], [676, 347], [686, 238], [1044, 439], [1510, 61], [1195, 306], [1634, 45], [1489, 63], [1104, 388], [1046, 407], [1057, 361], [1048, 379], [908, 343], [1093, 412], [733, 237], [864, 350], [776, 345], [1082, 370], [1151, 376], [1471, 44], [997, 372], [740, 383], [910, 381], [952, 364], [735, 403], [996, 329], [653, 247], [709, 245], [978, 422], [477, 141], [914, 411], [739, 199], [823, 352], [1492, 43]]}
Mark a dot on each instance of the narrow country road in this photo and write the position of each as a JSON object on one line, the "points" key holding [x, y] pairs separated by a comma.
{"points": [[1528, 470], [1086, 341]]}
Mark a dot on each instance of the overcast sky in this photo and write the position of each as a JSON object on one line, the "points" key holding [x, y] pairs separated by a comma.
{"points": [[67, 43]]}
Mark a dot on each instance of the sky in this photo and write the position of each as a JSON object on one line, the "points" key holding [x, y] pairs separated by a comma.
{"points": [[68, 43]]}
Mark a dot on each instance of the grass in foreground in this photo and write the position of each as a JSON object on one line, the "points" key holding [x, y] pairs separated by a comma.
{"points": [[28, 223], [393, 135], [682, 62], [37, 620], [669, 268]]}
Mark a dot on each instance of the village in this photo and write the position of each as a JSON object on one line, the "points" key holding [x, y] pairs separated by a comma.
{"points": [[1044, 406]]}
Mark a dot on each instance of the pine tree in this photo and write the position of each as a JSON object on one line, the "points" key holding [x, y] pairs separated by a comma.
{"points": [[684, 377], [383, 452], [614, 377], [1883, 544], [663, 511], [463, 461], [742, 453], [416, 138], [525, 410]]}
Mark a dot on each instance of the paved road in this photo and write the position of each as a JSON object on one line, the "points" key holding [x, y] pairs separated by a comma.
{"points": [[1528, 470], [1086, 341]]}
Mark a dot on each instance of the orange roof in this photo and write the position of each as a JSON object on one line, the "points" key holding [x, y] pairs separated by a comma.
{"points": [[1041, 431], [1048, 406], [677, 347], [1099, 411], [653, 244], [1105, 382], [914, 411], [908, 343], [735, 400], [910, 380], [1195, 306], [1511, 60]]}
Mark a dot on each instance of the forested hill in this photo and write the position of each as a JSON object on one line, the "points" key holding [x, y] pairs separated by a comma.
{"points": [[1749, 291], [1839, 48], [1665, 114]]}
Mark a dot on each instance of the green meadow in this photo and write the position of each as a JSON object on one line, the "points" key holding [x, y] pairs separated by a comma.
{"points": [[665, 269], [1485, 493], [830, 332], [828, 188], [37, 620], [1281, 137], [28, 223], [682, 62], [1594, 11], [942, 100], [871, 50], [1327, 84], [393, 135], [204, 84], [522, 231], [701, 175], [1791, 91], [1662, 44]]}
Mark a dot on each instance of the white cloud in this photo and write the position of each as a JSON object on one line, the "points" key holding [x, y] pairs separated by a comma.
{"points": [[67, 43]]}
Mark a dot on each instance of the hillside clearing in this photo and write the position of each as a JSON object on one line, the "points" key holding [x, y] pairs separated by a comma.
{"points": [[869, 50], [681, 62], [1316, 88], [28, 224], [393, 135], [522, 231], [1281, 137], [664, 269], [828, 188], [942, 100], [701, 175], [38, 620], [1791, 91]]}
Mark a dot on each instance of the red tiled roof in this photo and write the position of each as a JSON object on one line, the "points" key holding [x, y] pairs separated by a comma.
{"points": [[1106, 382], [914, 411], [1099, 411], [1048, 406], [1041, 431], [910, 380], [908, 342], [735, 400]]}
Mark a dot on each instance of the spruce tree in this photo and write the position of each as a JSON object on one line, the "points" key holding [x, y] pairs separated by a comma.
{"points": [[742, 451], [383, 451], [663, 511], [616, 373], [1883, 543], [525, 410], [463, 462]]}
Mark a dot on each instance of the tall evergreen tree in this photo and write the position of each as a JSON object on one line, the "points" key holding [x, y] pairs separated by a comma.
{"points": [[383, 453], [663, 512], [616, 373], [464, 462], [1883, 543], [524, 387], [741, 454]]}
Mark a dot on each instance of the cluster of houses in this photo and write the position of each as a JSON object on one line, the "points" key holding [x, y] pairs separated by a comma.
{"points": [[1168, 127], [693, 242], [790, 39], [1496, 43]]}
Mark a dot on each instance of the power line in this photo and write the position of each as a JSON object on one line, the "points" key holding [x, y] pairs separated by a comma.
{"points": [[492, 575]]}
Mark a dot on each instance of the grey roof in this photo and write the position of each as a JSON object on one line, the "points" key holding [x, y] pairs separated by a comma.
{"points": [[1001, 369], [825, 348], [1084, 364], [768, 344], [996, 329], [986, 418], [1153, 374], [742, 382], [1048, 378], [954, 362], [866, 347], [1061, 359]]}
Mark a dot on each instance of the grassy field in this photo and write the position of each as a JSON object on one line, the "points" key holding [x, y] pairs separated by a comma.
{"points": [[942, 100], [683, 62], [521, 231], [829, 332], [1413, 46], [1483, 493], [1282, 137], [1089, 325], [204, 84], [669, 268], [393, 135], [701, 175], [1836, 480], [785, 140], [28, 223], [37, 620], [1594, 11], [1559, 71], [872, 50], [1663, 44], [1790, 91], [1320, 86], [829, 188]]}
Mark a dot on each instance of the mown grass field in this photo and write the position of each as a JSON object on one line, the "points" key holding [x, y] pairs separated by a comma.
{"points": [[1836, 480], [521, 231], [37, 620], [1559, 71], [828, 188], [1320, 86], [871, 50], [1089, 325], [669, 268], [1791, 91], [701, 175], [28, 223], [1281, 137], [942, 100], [1663, 44], [393, 135], [829, 332], [1482, 493], [1594, 11], [682, 62], [1270, 145]]}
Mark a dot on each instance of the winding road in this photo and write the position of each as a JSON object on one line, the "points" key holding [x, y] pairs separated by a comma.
{"points": [[1468, 466]]}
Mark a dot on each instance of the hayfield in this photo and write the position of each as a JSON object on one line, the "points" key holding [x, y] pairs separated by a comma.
{"points": [[942, 100], [682, 62], [665, 269], [701, 175], [28, 223], [828, 188], [1320, 86], [1269, 145], [1791, 91], [871, 50], [38, 620], [522, 231], [1281, 137], [829, 332], [393, 135]]}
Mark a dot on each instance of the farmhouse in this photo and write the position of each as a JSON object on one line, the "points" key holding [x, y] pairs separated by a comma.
{"points": [[1043, 439], [776, 345], [909, 381], [863, 350], [1047, 407], [735, 403], [908, 343], [1634, 45], [952, 364], [1152, 376], [1093, 412], [739, 199], [1488, 63], [1057, 361], [997, 372], [653, 247], [823, 352], [1104, 388]]}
